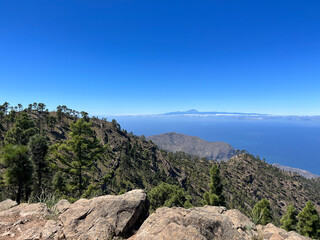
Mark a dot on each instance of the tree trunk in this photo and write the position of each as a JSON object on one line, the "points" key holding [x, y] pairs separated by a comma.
{"points": [[19, 194], [80, 182]]}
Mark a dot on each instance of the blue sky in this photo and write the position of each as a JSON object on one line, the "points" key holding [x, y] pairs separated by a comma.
{"points": [[141, 57]]}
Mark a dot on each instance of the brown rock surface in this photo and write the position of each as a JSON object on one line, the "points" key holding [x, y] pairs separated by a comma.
{"points": [[61, 206], [6, 204], [272, 232], [23, 221], [104, 217], [195, 223], [239, 220], [117, 217]]}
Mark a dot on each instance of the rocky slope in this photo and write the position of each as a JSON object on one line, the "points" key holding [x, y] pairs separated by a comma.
{"points": [[247, 180], [175, 142], [120, 217]]}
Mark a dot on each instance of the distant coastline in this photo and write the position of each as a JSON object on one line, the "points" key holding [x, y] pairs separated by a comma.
{"points": [[223, 115]]}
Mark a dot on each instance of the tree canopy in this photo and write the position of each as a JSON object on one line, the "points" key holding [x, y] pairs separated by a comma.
{"points": [[18, 168], [77, 154], [214, 197], [309, 221], [21, 131], [261, 212], [168, 195], [289, 219]]}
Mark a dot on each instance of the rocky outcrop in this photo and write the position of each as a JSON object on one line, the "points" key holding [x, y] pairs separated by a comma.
{"points": [[207, 223], [102, 217], [274, 233], [119, 217], [196, 223], [239, 220], [61, 206], [25, 221], [6, 204]]}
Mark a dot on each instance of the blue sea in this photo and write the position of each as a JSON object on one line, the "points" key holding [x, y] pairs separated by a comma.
{"points": [[294, 143]]}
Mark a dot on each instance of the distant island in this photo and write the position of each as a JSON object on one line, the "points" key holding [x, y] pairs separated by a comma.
{"points": [[196, 112], [222, 114], [240, 115]]}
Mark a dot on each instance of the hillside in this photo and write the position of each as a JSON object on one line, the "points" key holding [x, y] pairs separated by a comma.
{"points": [[248, 180], [175, 142], [130, 162], [301, 172]]}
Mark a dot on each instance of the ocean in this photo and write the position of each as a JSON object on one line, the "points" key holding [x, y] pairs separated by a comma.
{"points": [[294, 143]]}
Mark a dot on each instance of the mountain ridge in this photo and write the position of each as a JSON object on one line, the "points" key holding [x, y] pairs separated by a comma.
{"points": [[174, 142], [194, 111]]}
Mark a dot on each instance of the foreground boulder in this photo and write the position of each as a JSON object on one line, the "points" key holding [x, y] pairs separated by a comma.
{"points": [[23, 222], [196, 223], [104, 217], [274, 233], [6, 204], [206, 223], [61, 206], [120, 217]]}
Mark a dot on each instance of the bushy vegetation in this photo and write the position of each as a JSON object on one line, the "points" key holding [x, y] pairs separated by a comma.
{"points": [[309, 221], [261, 213], [169, 196], [289, 219]]}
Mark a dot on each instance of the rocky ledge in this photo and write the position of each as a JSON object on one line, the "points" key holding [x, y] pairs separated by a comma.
{"points": [[125, 217]]}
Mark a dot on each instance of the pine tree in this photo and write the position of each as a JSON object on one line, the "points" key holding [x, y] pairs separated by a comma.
{"points": [[261, 213], [289, 219], [38, 148], [78, 154], [214, 197], [21, 131], [59, 114], [309, 221], [18, 168]]}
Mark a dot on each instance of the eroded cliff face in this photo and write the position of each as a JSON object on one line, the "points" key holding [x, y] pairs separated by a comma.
{"points": [[120, 217]]}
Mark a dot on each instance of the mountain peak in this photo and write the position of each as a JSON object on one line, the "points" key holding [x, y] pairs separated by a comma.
{"points": [[192, 111]]}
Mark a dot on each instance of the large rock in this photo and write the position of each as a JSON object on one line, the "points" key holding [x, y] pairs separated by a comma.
{"points": [[61, 206], [6, 204], [195, 223], [272, 232], [23, 222], [117, 217], [104, 217], [239, 220]]}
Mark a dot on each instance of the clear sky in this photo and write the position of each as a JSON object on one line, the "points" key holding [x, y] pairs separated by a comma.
{"points": [[141, 57]]}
